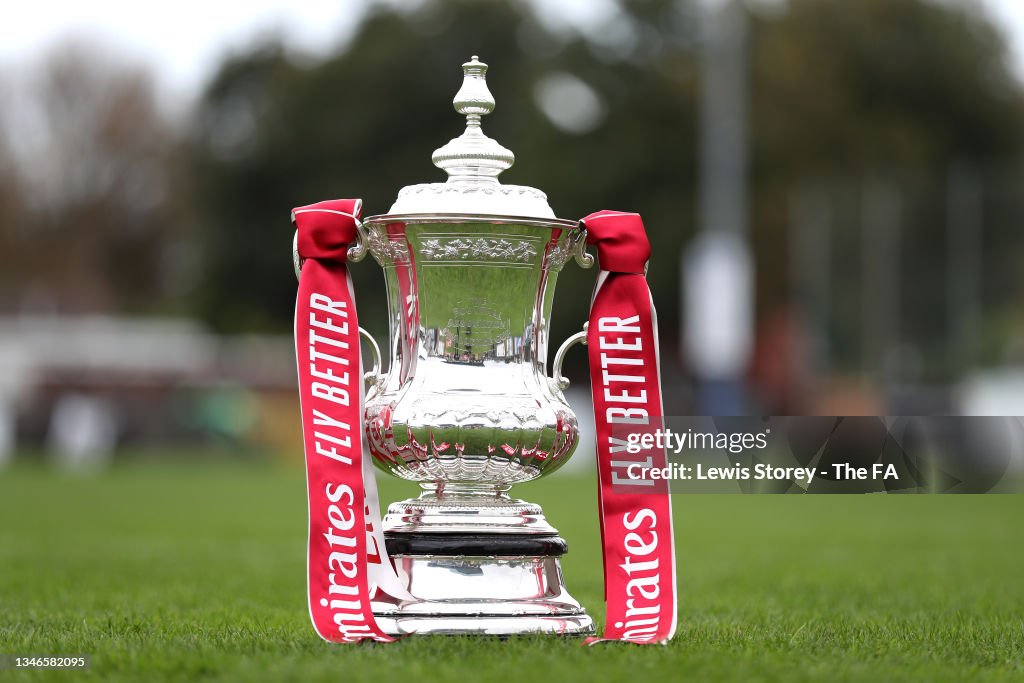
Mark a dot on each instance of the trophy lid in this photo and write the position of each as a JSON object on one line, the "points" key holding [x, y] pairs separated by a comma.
{"points": [[473, 162]]}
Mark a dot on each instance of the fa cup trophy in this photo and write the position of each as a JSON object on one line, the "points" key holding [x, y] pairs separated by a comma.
{"points": [[466, 409]]}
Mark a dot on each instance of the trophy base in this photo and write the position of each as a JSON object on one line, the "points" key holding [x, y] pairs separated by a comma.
{"points": [[485, 626], [479, 584]]}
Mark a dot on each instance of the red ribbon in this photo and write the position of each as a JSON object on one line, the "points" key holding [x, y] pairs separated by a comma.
{"points": [[636, 515], [346, 547], [347, 560]]}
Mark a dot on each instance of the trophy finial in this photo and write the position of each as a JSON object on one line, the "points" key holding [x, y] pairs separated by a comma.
{"points": [[474, 97], [473, 156]]}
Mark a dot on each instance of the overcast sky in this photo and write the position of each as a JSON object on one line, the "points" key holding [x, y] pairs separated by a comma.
{"points": [[184, 40]]}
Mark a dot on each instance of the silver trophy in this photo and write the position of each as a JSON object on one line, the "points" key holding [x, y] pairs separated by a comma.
{"points": [[467, 408]]}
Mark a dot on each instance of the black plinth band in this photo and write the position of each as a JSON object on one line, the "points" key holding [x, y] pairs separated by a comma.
{"points": [[475, 545]]}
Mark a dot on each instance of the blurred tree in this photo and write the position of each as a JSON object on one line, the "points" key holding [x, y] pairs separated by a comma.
{"points": [[898, 88], [87, 188]]}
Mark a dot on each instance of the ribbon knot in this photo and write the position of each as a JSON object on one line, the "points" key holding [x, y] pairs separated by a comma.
{"points": [[327, 229], [621, 241]]}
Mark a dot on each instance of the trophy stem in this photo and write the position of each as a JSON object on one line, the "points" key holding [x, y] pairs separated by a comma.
{"points": [[449, 489]]}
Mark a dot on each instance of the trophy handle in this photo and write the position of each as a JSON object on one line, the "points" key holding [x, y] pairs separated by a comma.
{"points": [[374, 378], [579, 248], [578, 238], [356, 252], [558, 380]]}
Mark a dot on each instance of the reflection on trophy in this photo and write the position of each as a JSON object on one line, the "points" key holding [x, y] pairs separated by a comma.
{"points": [[475, 331], [467, 408]]}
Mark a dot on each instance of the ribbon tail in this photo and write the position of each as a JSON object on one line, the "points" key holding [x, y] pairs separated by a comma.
{"points": [[636, 515], [341, 533]]}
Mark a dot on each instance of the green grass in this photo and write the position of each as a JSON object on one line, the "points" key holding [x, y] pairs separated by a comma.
{"points": [[196, 572]]}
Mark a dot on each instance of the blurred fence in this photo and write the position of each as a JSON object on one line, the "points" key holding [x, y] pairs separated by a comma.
{"points": [[80, 386], [908, 284]]}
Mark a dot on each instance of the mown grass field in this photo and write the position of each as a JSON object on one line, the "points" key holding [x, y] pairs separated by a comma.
{"points": [[196, 572]]}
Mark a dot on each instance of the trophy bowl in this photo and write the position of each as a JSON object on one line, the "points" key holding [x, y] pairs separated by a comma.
{"points": [[468, 408]]}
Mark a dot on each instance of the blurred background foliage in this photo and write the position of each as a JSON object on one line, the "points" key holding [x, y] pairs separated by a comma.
{"points": [[838, 89], [114, 202]]}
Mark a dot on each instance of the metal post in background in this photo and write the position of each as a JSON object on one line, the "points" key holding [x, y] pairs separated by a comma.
{"points": [[717, 270], [723, 120]]}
